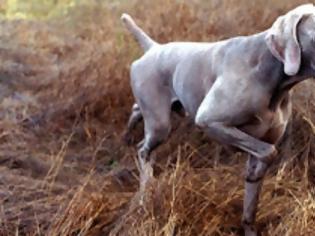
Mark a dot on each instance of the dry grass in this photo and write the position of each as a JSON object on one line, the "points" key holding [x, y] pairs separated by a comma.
{"points": [[64, 102]]}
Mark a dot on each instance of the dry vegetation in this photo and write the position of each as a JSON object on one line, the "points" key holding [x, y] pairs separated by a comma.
{"points": [[64, 102]]}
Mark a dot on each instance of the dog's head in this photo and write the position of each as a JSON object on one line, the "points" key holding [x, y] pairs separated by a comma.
{"points": [[291, 39]]}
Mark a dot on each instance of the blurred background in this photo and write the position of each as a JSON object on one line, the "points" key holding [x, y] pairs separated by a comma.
{"points": [[64, 102]]}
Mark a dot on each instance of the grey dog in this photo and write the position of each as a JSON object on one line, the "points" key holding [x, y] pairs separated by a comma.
{"points": [[236, 90]]}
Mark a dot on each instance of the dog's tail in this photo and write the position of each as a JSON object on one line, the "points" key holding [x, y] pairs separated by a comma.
{"points": [[144, 40]]}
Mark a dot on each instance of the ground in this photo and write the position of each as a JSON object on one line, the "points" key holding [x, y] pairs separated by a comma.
{"points": [[64, 103]]}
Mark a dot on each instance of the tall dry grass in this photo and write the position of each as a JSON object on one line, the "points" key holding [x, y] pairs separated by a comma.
{"points": [[64, 102]]}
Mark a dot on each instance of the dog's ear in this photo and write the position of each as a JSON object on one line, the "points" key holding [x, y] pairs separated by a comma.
{"points": [[282, 38]]}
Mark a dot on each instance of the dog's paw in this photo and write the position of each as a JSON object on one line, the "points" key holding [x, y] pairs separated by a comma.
{"points": [[249, 230]]}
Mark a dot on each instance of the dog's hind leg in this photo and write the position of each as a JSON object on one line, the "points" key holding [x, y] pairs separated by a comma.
{"points": [[155, 103], [134, 119], [156, 127]]}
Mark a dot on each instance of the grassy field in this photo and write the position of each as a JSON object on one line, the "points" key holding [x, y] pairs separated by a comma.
{"points": [[64, 103]]}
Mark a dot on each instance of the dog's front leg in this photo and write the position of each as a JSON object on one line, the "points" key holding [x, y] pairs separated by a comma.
{"points": [[261, 155], [230, 135], [255, 172]]}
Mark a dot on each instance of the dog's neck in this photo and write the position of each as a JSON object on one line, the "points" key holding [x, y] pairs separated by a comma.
{"points": [[286, 84], [281, 83]]}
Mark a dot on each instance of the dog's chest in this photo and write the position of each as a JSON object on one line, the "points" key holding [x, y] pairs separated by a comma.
{"points": [[269, 126]]}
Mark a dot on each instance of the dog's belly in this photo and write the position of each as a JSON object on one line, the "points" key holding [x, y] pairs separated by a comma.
{"points": [[191, 103], [190, 89], [189, 98]]}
